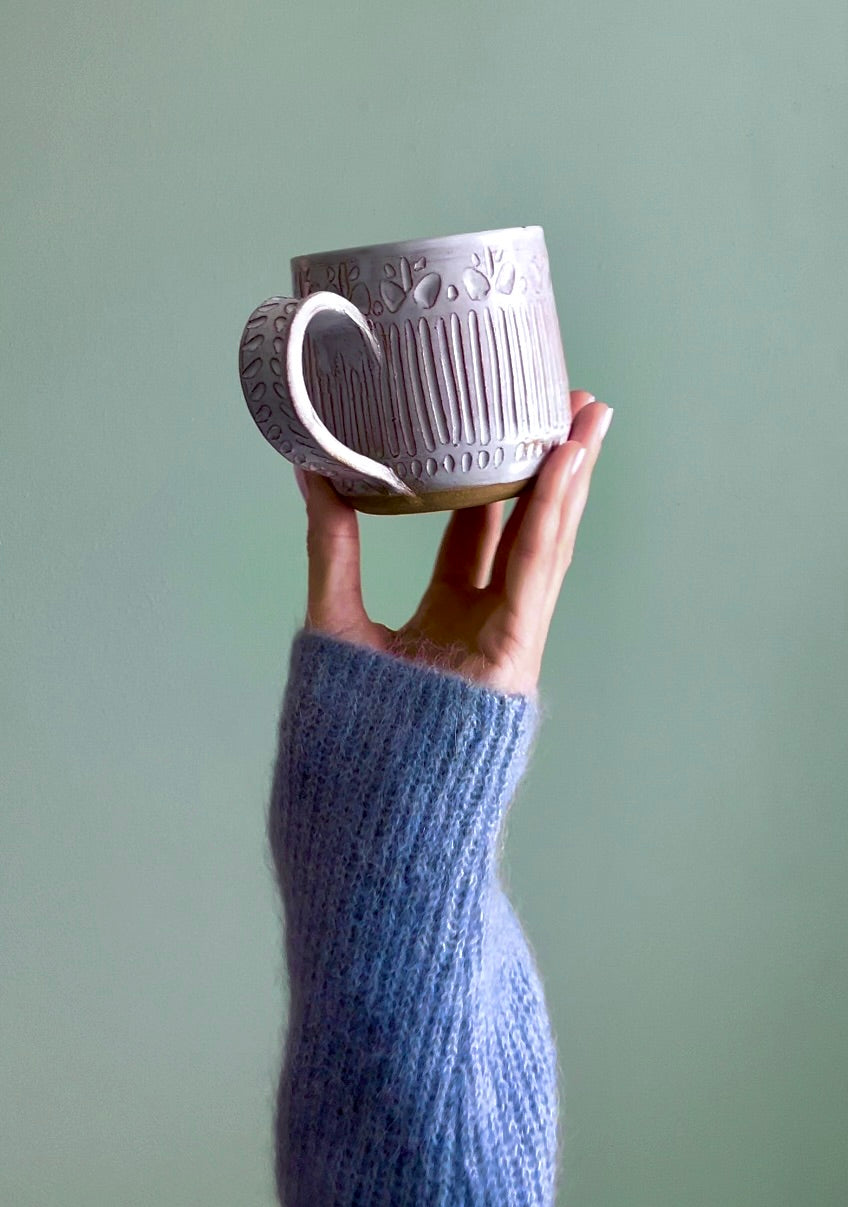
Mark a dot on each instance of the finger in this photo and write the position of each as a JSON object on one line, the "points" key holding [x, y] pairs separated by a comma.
{"points": [[579, 399], [525, 556], [589, 426], [582, 426], [332, 546], [595, 427], [468, 546]]}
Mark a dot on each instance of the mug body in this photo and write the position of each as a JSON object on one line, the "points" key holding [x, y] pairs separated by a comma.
{"points": [[471, 389]]}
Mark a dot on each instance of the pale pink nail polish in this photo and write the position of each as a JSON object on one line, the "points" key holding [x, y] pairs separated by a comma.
{"points": [[578, 461]]}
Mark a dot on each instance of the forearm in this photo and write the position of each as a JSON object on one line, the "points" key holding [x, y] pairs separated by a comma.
{"points": [[419, 1051]]}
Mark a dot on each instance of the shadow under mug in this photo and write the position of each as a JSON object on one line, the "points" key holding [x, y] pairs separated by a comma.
{"points": [[426, 375]]}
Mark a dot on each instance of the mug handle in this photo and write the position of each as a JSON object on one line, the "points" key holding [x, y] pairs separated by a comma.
{"points": [[274, 387]]}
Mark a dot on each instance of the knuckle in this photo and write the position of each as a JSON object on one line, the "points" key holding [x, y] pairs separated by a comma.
{"points": [[327, 541]]}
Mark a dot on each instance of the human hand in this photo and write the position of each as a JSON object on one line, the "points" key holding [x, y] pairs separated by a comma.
{"points": [[488, 607]]}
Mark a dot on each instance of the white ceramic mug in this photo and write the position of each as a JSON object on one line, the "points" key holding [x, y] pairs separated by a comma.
{"points": [[420, 376]]}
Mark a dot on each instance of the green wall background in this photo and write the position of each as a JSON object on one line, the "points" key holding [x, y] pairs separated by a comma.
{"points": [[677, 851]]}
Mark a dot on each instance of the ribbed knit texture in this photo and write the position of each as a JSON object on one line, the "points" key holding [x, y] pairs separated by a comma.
{"points": [[419, 1065]]}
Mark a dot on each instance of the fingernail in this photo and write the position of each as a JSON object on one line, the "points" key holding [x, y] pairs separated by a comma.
{"points": [[605, 422], [302, 485], [578, 461]]}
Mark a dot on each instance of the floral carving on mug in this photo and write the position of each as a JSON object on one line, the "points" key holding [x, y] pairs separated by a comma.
{"points": [[398, 284], [402, 280], [493, 272]]}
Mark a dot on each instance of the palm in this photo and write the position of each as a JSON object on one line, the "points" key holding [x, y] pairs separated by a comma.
{"points": [[463, 629], [486, 611]]}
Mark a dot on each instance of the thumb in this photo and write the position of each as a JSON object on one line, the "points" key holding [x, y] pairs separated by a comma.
{"points": [[332, 546], [302, 486]]}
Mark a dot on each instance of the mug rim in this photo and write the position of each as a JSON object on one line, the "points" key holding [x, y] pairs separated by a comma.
{"points": [[402, 246]]}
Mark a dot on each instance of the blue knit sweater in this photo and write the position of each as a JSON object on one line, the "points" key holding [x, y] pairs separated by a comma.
{"points": [[420, 1068]]}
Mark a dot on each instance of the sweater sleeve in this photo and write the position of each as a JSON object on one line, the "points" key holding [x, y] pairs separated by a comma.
{"points": [[420, 1066]]}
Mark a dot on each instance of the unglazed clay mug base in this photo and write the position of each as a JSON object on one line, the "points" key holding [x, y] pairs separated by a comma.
{"points": [[426, 375]]}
